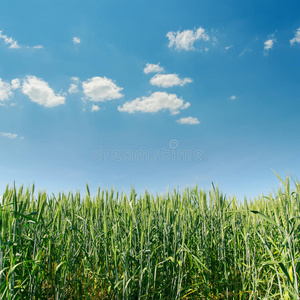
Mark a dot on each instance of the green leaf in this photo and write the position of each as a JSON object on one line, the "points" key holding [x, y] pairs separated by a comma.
{"points": [[278, 177], [58, 266], [283, 268], [268, 219], [27, 217]]}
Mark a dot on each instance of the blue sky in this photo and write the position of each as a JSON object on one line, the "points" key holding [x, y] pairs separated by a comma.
{"points": [[151, 94]]}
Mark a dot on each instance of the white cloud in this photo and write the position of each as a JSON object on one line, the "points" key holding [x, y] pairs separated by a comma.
{"points": [[73, 89], [9, 41], [76, 40], [233, 97], [245, 51], [100, 89], [296, 38], [39, 91], [38, 47], [228, 47], [95, 108], [189, 121], [75, 79], [269, 44], [168, 80], [8, 135], [14, 44], [185, 40], [154, 103], [15, 84], [5, 90], [152, 68]]}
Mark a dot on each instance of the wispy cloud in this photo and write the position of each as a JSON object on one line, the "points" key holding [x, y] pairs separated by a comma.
{"points": [[39, 92], [168, 80], [269, 43], [5, 90], [76, 40], [155, 102], [100, 89], [296, 38], [152, 68], [228, 47], [233, 97], [95, 108], [188, 121], [75, 79], [8, 135], [185, 40], [9, 41], [13, 44], [15, 84], [246, 50], [73, 89]]}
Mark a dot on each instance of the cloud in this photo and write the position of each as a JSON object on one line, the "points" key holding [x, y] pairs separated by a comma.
{"points": [[38, 47], [152, 68], [14, 44], [189, 121], [75, 79], [100, 89], [95, 108], [9, 41], [296, 38], [5, 90], [39, 92], [76, 40], [185, 40], [269, 44], [73, 89], [245, 51], [228, 47], [233, 97], [168, 80], [15, 84], [154, 103], [8, 135]]}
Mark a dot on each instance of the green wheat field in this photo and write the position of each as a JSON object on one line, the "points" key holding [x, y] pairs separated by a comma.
{"points": [[182, 245]]}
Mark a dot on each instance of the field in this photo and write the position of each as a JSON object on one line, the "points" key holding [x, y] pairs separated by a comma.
{"points": [[183, 245]]}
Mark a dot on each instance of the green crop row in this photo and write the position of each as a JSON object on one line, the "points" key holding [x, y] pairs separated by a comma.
{"points": [[189, 245]]}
